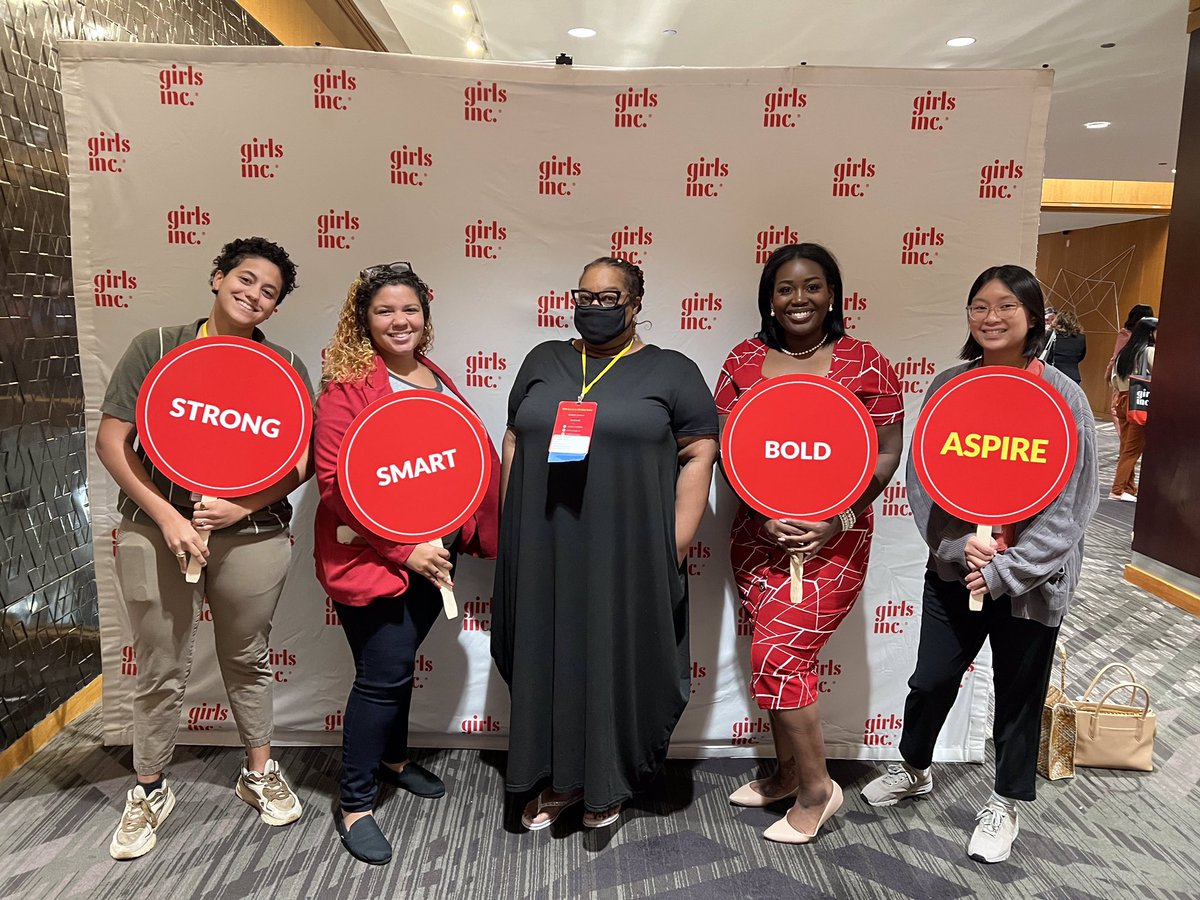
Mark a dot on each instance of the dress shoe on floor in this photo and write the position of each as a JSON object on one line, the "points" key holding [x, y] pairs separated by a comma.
{"points": [[783, 832], [363, 840], [415, 779], [746, 795]]}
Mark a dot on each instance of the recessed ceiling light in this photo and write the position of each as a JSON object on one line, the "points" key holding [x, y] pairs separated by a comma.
{"points": [[581, 32], [670, 32], [960, 42], [473, 45], [1107, 45], [1172, 171], [459, 10], [1097, 124]]}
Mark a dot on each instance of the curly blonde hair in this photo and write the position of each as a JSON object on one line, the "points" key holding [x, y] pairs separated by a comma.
{"points": [[350, 355]]}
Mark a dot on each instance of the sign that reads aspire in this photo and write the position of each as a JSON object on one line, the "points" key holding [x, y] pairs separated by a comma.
{"points": [[224, 416], [799, 447], [414, 466]]}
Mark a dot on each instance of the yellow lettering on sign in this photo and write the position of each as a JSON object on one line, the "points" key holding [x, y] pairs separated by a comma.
{"points": [[1009, 449]]}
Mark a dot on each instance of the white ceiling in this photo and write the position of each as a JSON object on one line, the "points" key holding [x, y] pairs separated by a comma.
{"points": [[1137, 85]]}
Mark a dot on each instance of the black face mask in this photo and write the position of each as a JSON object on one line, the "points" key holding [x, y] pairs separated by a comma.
{"points": [[599, 326]]}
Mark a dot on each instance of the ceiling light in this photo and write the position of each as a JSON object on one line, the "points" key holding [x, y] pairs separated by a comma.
{"points": [[1107, 46], [582, 32], [459, 10], [473, 45], [1098, 124], [670, 32], [1172, 171], [960, 42]]}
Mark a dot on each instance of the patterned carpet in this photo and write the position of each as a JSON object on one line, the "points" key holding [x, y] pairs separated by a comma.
{"points": [[1102, 835]]}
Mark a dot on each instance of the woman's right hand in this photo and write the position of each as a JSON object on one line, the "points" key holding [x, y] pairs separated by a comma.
{"points": [[978, 554], [183, 540], [431, 562]]}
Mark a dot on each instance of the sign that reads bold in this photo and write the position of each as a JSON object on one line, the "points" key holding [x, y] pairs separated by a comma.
{"points": [[994, 445], [224, 416], [414, 466], [799, 447]]}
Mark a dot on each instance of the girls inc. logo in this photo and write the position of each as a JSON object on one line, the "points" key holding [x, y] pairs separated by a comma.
{"points": [[630, 244], [477, 614], [422, 666], [483, 102], [475, 725], [333, 90], [629, 100], [555, 309], [895, 501], [913, 244], [771, 237], [925, 105], [827, 676], [254, 155], [483, 241], [749, 731], [335, 230], [331, 616], [480, 369], [333, 721], [691, 307], [996, 179], [172, 83], [852, 177], [699, 673], [185, 224], [283, 661], [698, 554], [854, 303], [128, 661], [914, 374], [779, 100], [553, 174], [745, 624], [205, 610], [702, 177], [205, 716], [881, 730], [106, 152], [891, 617], [114, 290], [410, 166]]}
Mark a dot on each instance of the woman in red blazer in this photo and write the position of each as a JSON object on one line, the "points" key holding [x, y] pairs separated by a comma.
{"points": [[386, 594]]}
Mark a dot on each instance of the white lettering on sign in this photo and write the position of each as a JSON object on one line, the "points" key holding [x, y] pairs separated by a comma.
{"points": [[233, 419], [412, 468], [818, 450]]}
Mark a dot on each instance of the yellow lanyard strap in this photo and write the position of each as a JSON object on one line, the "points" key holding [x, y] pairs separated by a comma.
{"points": [[203, 330], [587, 387]]}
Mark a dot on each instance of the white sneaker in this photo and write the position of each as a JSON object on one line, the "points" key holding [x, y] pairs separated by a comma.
{"points": [[269, 794], [994, 835], [137, 832], [897, 784]]}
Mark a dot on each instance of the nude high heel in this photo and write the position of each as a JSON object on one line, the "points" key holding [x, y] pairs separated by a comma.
{"points": [[783, 832]]}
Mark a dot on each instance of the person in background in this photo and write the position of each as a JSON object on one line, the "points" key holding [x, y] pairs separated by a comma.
{"points": [[1047, 354], [246, 561], [1136, 314], [1136, 357], [1070, 344]]}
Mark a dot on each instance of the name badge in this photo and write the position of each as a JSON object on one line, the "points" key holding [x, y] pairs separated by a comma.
{"points": [[572, 433]]}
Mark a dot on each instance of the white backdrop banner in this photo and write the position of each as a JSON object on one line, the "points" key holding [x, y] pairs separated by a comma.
{"points": [[498, 182]]}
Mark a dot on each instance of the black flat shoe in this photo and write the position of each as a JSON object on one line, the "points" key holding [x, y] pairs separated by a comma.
{"points": [[415, 779], [363, 840]]}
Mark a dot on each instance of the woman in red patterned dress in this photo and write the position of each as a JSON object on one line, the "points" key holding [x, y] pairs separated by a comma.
{"points": [[803, 332]]}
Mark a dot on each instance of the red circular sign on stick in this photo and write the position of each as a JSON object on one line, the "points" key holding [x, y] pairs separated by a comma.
{"points": [[799, 447], [994, 445], [224, 416], [414, 466]]}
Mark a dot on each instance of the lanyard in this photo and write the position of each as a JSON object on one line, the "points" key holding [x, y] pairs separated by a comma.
{"points": [[203, 330], [587, 387]]}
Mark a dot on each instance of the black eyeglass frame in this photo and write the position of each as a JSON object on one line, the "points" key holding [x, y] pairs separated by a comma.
{"points": [[596, 298]]}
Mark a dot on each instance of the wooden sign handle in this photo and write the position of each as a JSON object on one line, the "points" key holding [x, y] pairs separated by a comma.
{"points": [[797, 589], [984, 533], [195, 565], [449, 604]]}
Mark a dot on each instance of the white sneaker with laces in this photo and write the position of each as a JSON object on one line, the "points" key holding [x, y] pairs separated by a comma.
{"points": [[137, 832], [994, 835], [897, 784], [269, 794]]}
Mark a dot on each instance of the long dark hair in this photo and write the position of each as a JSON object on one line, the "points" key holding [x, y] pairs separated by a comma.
{"points": [[1136, 314], [1025, 287], [1142, 337], [834, 325]]}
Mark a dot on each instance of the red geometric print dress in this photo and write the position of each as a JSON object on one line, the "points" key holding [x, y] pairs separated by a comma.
{"points": [[788, 636]]}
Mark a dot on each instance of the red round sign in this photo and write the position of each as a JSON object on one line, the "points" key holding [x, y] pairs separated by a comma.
{"points": [[414, 466], [799, 447], [224, 416], [994, 445]]}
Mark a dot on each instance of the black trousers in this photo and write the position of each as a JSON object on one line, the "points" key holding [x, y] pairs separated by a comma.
{"points": [[1022, 655], [384, 637]]}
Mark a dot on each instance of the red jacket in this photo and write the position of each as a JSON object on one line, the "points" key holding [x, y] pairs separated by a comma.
{"points": [[355, 574]]}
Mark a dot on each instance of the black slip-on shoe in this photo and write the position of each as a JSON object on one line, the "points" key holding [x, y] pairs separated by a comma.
{"points": [[363, 840], [415, 779]]}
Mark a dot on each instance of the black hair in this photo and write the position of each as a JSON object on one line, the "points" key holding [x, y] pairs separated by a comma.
{"points": [[1025, 287], [365, 290], [834, 325], [1137, 313], [635, 281], [1143, 336], [238, 251]]}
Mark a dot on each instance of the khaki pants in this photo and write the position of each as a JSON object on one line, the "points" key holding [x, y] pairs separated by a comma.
{"points": [[1133, 441], [243, 581]]}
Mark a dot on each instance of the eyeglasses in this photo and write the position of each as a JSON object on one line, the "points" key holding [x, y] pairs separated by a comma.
{"points": [[979, 311], [606, 299], [400, 268]]}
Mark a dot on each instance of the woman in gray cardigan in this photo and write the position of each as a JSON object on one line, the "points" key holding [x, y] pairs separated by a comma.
{"points": [[1029, 571]]}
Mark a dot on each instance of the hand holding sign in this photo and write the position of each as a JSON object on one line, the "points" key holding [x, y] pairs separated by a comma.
{"points": [[799, 447], [994, 446]]}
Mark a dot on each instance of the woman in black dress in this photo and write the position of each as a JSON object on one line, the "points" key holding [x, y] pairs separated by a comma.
{"points": [[590, 614], [1070, 344]]}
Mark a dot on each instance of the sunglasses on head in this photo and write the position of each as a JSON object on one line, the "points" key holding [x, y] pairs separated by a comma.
{"points": [[400, 268]]}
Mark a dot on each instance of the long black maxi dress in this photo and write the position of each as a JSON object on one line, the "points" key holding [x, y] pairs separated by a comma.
{"points": [[590, 617]]}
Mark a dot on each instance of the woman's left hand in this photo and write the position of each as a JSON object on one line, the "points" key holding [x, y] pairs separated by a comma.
{"points": [[214, 513], [975, 582], [814, 535]]}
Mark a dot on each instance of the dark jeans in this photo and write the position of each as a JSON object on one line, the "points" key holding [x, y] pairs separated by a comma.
{"points": [[1022, 653], [384, 637]]}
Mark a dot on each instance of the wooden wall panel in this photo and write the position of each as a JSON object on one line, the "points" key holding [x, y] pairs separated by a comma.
{"points": [[1100, 273]]}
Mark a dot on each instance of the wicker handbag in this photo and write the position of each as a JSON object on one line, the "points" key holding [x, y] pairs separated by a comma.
{"points": [[1114, 735], [1056, 748]]}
